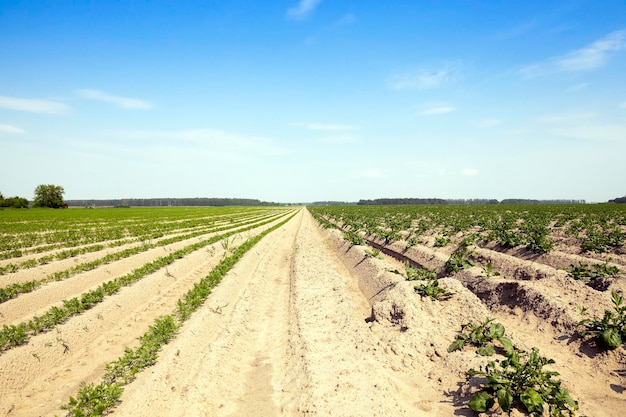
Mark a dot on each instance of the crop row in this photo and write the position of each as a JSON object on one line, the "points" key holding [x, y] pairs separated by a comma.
{"points": [[592, 228], [15, 289], [46, 230], [14, 335]]}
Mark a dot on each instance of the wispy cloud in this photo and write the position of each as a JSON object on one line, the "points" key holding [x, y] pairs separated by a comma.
{"points": [[122, 102], [326, 127], [588, 58], [212, 139], [11, 129], [469, 172], [33, 105], [303, 9], [623, 104], [423, 79], [430, 111]]}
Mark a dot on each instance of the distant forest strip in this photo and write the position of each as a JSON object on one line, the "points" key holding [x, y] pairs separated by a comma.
{"points": [[166, 202], [414, 201]]}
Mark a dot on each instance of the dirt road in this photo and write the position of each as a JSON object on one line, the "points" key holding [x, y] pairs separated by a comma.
{"points": [[285, 333]]}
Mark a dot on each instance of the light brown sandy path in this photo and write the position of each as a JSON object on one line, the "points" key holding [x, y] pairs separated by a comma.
{"points": [[290, 339]]}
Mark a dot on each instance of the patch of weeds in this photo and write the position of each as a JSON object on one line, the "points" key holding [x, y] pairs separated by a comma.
{"points": [[482, 336], [610, 330], [441, 241]]}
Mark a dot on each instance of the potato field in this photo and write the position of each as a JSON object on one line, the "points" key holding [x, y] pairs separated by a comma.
{"points": [[321, 311]]}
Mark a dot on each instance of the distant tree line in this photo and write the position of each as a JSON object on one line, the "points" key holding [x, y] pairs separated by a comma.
{"points": [[165, 202], [440, 201], [618, 200], [13, 202]]}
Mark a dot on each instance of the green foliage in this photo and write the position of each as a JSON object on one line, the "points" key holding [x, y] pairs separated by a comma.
{"points": [[610, 330], [416, 274], [585, 272], [13, 202], [482, 336], [520, 381], [49, 196], [489, 270], [459, 260], [354, 238], [433, 290], [93, 400], [441, 241]]}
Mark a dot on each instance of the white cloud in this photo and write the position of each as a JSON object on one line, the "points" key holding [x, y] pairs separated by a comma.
{"points": [[303, 9], [33, 105], [423, 79], [623, 104], [437, 110], [469, 172], [122, 102], [11, 129], [215, 140], [326, 127], [585, 59]]}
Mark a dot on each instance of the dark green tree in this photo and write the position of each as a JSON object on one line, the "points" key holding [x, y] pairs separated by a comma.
{"points": [[13, 202], [49, 196]]}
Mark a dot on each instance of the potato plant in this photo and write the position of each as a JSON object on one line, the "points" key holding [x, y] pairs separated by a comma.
{"points": [[520, 381]]}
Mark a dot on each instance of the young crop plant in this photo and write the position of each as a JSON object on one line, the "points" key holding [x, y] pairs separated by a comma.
{"points": [[490, 271], [354, 238], [433, 290], [584, 272], [373, 253], [482, 336], [416, 274], [520, 382], [441, 241], [610, 331], [459, 260]]}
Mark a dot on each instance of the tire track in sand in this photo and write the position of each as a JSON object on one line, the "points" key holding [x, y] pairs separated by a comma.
{"points": [[283, 334]]}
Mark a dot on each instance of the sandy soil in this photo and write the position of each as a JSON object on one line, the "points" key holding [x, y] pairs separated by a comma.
{"points": [[305, 324]]}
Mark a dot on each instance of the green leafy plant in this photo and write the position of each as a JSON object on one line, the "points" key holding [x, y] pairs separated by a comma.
{"points": [[354, 238], [433, 290], [520, 382], [482, 336], [489, 270], [416, 274], [373, 253], [441, 241], [610, 330], [459, 260], [586, 272]]}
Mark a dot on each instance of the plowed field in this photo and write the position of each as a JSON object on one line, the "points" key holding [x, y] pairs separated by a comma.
{"points": [[303, 324]]}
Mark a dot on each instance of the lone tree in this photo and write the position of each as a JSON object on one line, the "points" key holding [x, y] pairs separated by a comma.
{"points": [[49, 196]]}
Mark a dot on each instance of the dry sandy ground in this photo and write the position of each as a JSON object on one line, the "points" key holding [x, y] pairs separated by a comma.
{"points": [[305, 325]]}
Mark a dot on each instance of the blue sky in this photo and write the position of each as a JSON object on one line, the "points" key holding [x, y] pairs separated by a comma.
{"points": [[308, 100]]}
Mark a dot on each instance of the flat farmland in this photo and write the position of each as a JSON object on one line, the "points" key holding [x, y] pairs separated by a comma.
{"points": [[295, 311]]}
